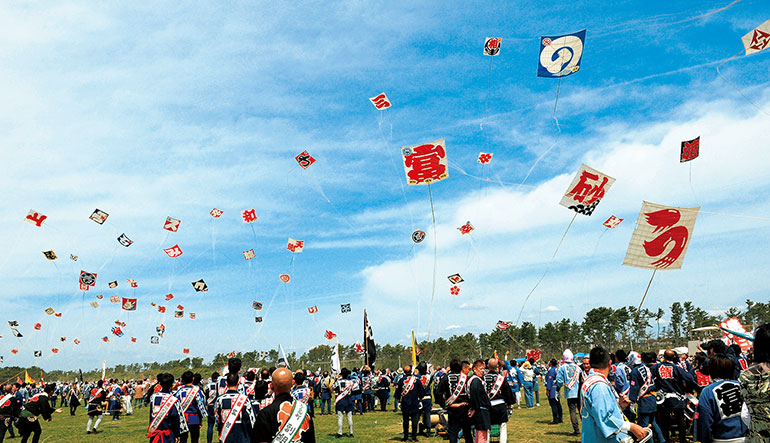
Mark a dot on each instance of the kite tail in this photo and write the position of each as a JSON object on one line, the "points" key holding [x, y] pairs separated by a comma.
{"points": [[435, 259], [556, 103], [638, 310], [546, 269]]}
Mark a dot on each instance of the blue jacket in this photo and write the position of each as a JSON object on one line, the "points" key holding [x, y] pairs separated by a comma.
{"points": [[641, 375], [412, 401], [550, 383], [197, 409], [622, 383], [564, 375], [719, 412]]}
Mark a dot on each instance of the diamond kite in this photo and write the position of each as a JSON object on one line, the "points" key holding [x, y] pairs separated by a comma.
{"points": [[758, 39], [124, 240], [560, 55], [661, 230], [16, 333], [50, 255], [99, 216], [613, 222], [87, 278], [35, 218], [380, 102], [200, 286], [295, 246], [174, 251], [49, 310], [172, 224], [425, 164], [492, 46], [690, 150], [586, 190], [304, 159], [455, 278], [216, 213]]}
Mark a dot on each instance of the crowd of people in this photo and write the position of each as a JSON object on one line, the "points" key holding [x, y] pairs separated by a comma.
{"points": [[718, 395]]}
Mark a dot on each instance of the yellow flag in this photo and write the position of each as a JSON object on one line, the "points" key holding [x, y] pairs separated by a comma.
{"points": [[28, 379], [414, 352]]}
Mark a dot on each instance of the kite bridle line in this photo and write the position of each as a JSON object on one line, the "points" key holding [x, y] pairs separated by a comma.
{"points": [[638, 310], [736, 87], [435, 259], [553, 257]]}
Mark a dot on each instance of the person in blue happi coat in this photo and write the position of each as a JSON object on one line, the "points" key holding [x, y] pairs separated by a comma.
{"points": [[194, 409], [718, 416]]}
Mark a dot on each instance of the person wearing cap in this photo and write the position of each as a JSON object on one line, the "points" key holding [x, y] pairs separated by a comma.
{"points": [[568, 376], [529, 383]]}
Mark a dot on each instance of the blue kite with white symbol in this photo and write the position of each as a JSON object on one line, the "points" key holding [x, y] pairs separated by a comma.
{"points": [[561, 55]]}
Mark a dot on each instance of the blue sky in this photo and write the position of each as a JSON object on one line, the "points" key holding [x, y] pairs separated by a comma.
{"points": [[169, 110]]}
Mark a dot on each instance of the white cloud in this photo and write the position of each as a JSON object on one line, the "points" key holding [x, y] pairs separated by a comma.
{"points": [[550, 308]]}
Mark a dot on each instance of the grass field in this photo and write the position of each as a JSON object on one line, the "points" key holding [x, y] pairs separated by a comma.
{"points": [[526, 425]]}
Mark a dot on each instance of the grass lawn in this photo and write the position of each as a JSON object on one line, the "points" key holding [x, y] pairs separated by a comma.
{"points": [[526, 425]]}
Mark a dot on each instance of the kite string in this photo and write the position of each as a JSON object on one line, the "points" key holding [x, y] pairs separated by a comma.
{"points": [[689, 179], [556, 103], [553, 257], [638, 310], [736, 87], [435, 259]]}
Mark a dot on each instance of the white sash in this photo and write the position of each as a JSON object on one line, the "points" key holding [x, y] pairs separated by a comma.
{"points": [[344, 393], [252, 387], [235, 412], [408, 385], [458, 389], [5, 399], [496, 387], [574, 378], [293, 424], [95, 396], [589, 382], [191, 394], [165, 408], [647, 381]]}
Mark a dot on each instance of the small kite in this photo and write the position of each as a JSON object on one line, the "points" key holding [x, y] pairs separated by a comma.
{"points": [[38, 326], [50, 255], [113, 284], [560, 55], [329, 335], [55, 350], [185, 351], [380, 102], [359, 349], [312, 309], [258, 319], [49, 310], [263, 354], [129, 304], [454, 290], [418, 236], [99, 216], [492, 46], [256, 306], [16, 333], [114, 299], [216, 213], [105, 339], [124, 240], [503, 325], [14, 351], [586, 190], [172, 224], [192, 316], [73, 257], [248, 255], [534, 354], [35, 218], [13, 323], [345, 308], [455, 279], [295, 246], [152, 303], [174, 251], [425, 164], [94, 304], [758, 39], [249, 215], [180, 307], [62, 339], [661, 237], [38, 353], [200, 286], [231, 355], [690, 150], [57, 315], [87, 279], [612, 222], [132, 283], [154, 340], [76, 341], [99, 296], [484, 157], [178, 314], [304, 159], [133, 339], [160, 329], [162, 309], [169, 297], [286, 278], [120, 323], [116, 331], [467, 228]]}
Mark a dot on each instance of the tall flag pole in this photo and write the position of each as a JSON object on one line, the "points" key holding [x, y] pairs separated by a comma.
{"points": [[414, 352]]}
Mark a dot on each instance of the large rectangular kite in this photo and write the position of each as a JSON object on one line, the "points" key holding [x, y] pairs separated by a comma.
{"points": [[425, 164], [586, 190], [661, 237]]}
